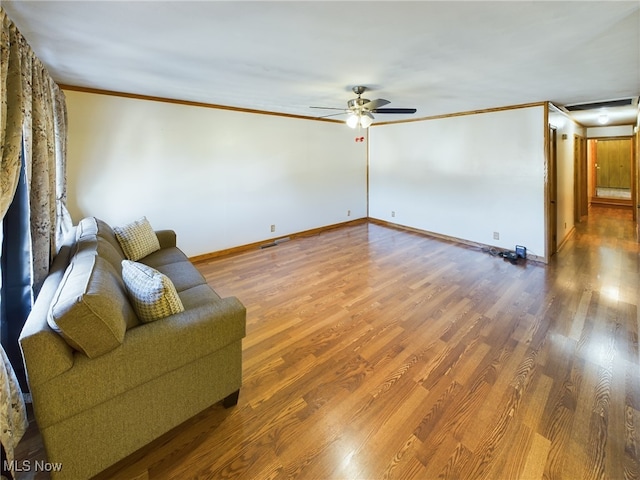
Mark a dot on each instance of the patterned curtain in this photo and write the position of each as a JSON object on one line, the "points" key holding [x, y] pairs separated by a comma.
{"points": [[33, 111], [11, 113], [33, 129]]}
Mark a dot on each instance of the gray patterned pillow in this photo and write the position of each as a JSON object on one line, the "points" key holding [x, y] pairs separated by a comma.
{"points": [[137, 239], [152, 293]]}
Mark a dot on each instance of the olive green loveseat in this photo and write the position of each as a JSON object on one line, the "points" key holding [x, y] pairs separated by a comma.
{"points": [[103, 383]]}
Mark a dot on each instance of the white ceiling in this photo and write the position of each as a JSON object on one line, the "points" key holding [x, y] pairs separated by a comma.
{"points": [[439, 57]]}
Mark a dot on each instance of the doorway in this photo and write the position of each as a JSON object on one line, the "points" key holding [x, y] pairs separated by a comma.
{"points": [[610, 160]]}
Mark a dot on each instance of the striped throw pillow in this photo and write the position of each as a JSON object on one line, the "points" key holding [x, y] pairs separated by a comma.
{"points": [[152, 293], [137, 239]]}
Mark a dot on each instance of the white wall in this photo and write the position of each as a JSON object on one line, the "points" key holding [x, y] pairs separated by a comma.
{"points": [[464, 177], [611, 131], [219, 178]]}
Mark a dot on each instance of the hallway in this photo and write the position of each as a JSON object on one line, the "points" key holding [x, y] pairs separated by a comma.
{"points": [[605, 254]]}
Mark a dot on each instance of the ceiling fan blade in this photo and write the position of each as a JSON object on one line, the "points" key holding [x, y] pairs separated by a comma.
{"points": [[373, 104], [329, 108], [394, 110], [333, 115]]}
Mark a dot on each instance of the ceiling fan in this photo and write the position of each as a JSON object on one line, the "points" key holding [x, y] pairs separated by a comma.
{"points": [[360, 110]]}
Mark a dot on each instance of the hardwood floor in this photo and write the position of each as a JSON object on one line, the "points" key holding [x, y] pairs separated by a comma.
{"points": [[376, 353]]}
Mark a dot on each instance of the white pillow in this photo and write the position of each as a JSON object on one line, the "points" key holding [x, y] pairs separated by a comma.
{"points": [[152, 293], [137, 239]]}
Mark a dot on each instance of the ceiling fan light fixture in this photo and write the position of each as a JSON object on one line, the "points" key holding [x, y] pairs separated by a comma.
{"points": [[352, 120], [365, 121]]}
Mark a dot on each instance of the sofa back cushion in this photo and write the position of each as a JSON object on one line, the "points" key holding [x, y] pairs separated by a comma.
{"points": [[90, 309], [95, 245], [95, 226]]}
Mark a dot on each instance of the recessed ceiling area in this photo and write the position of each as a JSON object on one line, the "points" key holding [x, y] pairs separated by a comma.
{"points": [[605, 113], [437, 57]]}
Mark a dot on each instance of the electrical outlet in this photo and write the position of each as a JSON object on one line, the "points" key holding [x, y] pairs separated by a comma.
{"points": [[393, 214], [273, 228], [496, 235]]}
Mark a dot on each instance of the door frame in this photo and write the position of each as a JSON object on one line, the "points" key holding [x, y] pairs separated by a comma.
{"points": [[635, 179], [580, 178], [551, 190]]}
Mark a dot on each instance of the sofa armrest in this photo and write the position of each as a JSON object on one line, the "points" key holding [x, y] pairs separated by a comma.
{"points": [[192, 333], [46, 354], [167, 238]]}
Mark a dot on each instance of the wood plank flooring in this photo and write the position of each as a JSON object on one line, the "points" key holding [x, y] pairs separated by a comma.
{"points": [[376, 353]]}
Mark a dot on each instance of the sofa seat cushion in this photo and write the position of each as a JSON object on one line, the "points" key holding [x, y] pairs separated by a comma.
{"points": [[164, 257], [148, 351], [183, 275], [152, 293], [90, 308], [198, 296]]}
